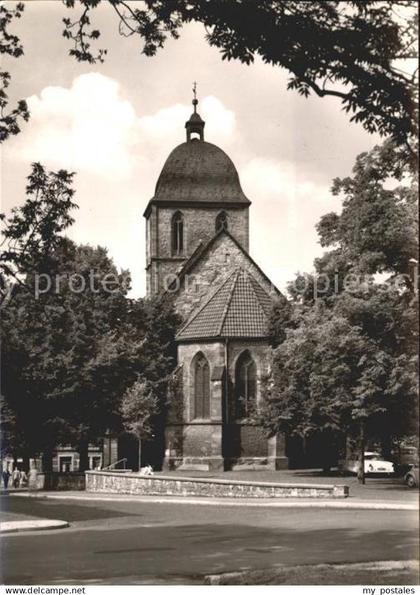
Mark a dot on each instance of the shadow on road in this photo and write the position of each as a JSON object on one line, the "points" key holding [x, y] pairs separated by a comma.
{"points": [[50, 509]]}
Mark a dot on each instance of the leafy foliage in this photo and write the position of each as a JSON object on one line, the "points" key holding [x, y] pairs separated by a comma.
{"points": [[346, 359], [144, 406], [382, 237], [75, 361], [341, 49], [281, 318], [11, 46], [376, 232], [73, 343], [347, 50], [64, 357], [326, 376], [33, 231], [138, 407]]}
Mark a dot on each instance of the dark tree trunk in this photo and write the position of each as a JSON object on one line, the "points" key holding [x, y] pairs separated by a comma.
{"points": [[47, 461], [83, 454], [362, 444], [386, 447], [342, 453], [140, 452], [328, 451], [26, 462]]}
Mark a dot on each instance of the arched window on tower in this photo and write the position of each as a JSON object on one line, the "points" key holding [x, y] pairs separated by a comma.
{"points": [[177, 233], [245, 385], [221, 221], [201, 375]]}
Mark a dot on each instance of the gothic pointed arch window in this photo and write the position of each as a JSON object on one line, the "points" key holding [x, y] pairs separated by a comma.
{"points": [[245, 385], [201, 375], [177, 233], [221, 221]]}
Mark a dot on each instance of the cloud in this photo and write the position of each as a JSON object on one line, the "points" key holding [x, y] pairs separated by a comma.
{"points": [[91, 127], [164, 127], [220, 121], [117, 151], [285, 206], [271, 181], [166, 122], [86, 127]]}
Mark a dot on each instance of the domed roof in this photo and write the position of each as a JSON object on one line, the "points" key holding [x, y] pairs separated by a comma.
{"points": [[199, 171]]}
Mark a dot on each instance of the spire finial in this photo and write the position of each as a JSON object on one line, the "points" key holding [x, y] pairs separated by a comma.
{"points": [[195, 100], [195, 124]]}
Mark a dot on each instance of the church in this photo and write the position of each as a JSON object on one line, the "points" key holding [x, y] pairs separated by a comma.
{"points": [[197, 250]]}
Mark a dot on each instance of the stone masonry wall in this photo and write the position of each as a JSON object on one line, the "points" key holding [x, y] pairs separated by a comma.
{"points": [[210, 271], [214, 352], [260, 352], [198, 440], [130, 483], [199, 226]]}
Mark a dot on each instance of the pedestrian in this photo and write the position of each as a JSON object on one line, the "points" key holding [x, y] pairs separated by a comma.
{"points": [[33, 478], [6, 477], [23, 479], [16, 477]]}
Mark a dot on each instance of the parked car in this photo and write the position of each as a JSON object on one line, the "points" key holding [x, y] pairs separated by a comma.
{"points": [[411, 478], [405, 457], [374, 464], [409, 455]]}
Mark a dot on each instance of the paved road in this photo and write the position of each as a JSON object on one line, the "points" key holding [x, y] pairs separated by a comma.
{"points": [[134, 543]]}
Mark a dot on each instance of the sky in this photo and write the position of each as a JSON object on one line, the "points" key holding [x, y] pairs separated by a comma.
{"points": [[114, 124]]}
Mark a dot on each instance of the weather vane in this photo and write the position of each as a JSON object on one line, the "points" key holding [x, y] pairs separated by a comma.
{"points": [[195, 100]]}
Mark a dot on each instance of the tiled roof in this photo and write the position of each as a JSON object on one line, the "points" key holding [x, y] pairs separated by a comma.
{"points": [[239, 307], [199, 171], [203, 249]]}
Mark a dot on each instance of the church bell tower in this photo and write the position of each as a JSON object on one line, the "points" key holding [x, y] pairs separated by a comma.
{"points": [[197, 195]]}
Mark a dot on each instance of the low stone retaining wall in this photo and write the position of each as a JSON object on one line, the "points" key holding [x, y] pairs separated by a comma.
{"points": [[164, 485], [57, 481]]}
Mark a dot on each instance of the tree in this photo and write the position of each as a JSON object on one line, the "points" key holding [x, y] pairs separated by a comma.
{"points": [[139, 407], [145, 405], [73, 346], [32, 232], [26, 375], [326, 377], [281, 318], [72, 341], [376, 232], [348, 50], [377, 229], [11, 46], [64, 354], [326, 46], [347, 358]]}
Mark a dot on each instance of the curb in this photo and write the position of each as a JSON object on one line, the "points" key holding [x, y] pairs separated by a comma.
{"points": [[22, 526], [202, 501], [233, 578]]}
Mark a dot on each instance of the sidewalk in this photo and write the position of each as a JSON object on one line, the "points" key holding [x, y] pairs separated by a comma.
{"points": [[31, 525], [348, 503]]}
